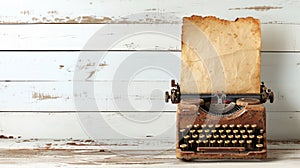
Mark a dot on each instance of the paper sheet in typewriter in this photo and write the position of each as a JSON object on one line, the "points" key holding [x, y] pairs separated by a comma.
{"points": [[220, 55]]}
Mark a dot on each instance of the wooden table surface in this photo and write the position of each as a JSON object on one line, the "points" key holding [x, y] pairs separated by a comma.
{"points": [[280, 154]]}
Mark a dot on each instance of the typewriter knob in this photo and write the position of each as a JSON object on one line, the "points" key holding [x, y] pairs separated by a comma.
{"points": [[167, 96]]}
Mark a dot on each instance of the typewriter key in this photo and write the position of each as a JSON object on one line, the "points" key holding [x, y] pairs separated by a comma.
{"points": [[189, 126], [207, 131], [249, 144], [230, 136], [235, 131], [237, 136], [242, 131], [212, 143], [231, 126], [241, 142], [228, 131], [199, 143], [226, 143], [234, 142], [186, 138], [223, 136], [220, 142], [205, 142], [201, 136], [217, 126], [195, 136], [213, 131], [221, 131], [200, 131], [251, 136], [245, 136], [259, 138], [183, 147], [239, 126], [191, 144], [192, 131], [210, 126], [224, 126], [216, 136], [259, 146], [203, 126], [196, 126], [246, 126], [250, 131], [208, 136]]}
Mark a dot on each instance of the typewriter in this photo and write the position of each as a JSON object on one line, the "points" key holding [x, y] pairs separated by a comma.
{"points": [[220, 125]]}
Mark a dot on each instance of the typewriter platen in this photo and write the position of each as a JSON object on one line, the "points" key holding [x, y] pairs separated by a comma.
{"points": [[219, 125]]}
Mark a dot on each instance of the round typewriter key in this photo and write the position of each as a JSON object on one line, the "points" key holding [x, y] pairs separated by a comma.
{"points": [[239, 126], [198, 142], [250, 131], [230, 136], [201, 136], [195, 136], [213, 131], [207, 131], [210, 126], [189, 126], [200, 131], [261, 131], [226, 142], [220, 142], [253, 126], [217, 125], [196, 126], [228, 131], [221, 131], [237, 136], [242, 131], [205, 142], [251, 136], [216, 136], [231, 126], [224, 126], [241, 142], [192, 131], [259, 138], [259, 146], [234, 142], [245, 136], [223, 136], [203, 126], [212, 143], [246, 126], [192, 144], [183, 147], [249, 144], [186, 138], [208, 136], [235, 131]]}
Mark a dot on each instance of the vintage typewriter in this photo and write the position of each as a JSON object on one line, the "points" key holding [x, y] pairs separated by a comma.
{"points": [[220, 125]]}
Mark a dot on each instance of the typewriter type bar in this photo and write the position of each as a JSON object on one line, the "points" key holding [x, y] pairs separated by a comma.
{"points": [[220, 126]]}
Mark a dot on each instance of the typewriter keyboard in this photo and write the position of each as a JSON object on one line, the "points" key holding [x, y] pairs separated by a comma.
{"points": [[235, 137]]}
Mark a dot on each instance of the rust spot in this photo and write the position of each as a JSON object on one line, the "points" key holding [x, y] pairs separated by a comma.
{"points": [[258, 8], [61, 66], [42, 96], [91, 19]]}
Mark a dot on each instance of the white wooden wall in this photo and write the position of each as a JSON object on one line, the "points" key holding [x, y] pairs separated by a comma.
{"points": [[102, 71]]}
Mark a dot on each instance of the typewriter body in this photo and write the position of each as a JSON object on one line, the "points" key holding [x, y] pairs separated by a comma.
{"points": [[220, 125]]}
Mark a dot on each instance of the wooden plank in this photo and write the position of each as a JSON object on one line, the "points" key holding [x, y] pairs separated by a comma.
{"points": [[275, 37], [100, 157], [157, 11], [127, 81], [124, 127]]}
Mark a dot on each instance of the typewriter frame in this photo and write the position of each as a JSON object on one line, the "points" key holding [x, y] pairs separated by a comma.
{"points": [[190, 112]]}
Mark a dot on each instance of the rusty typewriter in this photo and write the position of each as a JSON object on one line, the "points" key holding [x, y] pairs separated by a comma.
{"points": [[220, 126]]}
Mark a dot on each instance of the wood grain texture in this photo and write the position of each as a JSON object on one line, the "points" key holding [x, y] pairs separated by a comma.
{"points": [[275, 37], [47, 81], [119, 11], [125, 127]]}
